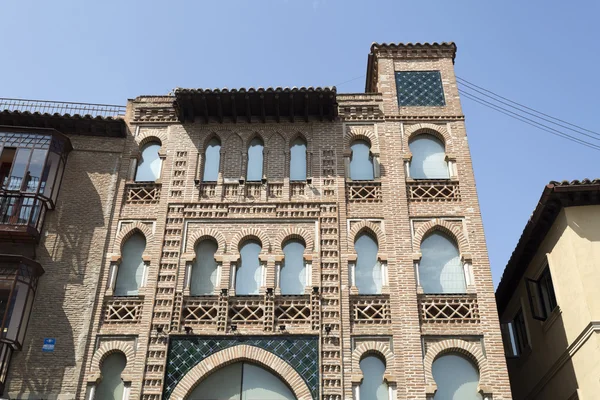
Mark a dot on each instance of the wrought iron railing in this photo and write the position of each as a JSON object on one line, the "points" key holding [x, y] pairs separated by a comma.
{"points": [[61, 107]]}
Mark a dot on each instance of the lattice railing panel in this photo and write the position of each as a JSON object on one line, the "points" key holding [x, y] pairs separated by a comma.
{"points": [[246, 311], [434, 191], [291, 310], [371, 310], [449, 308], [275, 190], [253, 190], [123, 310], [200, 310], [142, 193], [231, 191], [363, 191], [298, 189], [208, 190]]}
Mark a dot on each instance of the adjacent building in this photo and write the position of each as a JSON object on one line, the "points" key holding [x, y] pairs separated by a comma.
{"points": [[302, 243], [548, 297]]}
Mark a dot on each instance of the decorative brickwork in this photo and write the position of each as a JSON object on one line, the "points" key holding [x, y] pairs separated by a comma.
{"points": [[326, 212], [293, 360]]}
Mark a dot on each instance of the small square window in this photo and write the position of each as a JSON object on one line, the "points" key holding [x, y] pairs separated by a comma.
{"points": [[420, 88]]}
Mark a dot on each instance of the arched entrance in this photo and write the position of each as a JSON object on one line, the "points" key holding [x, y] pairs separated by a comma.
{"points": [[242, 381], [271, 372]]}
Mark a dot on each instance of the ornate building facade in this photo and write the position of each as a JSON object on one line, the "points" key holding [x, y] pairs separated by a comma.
{"points": [[304, 243]]}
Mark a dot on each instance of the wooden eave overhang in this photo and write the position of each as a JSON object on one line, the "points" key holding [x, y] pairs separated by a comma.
{"points": [[256, 105], [68, 124]]}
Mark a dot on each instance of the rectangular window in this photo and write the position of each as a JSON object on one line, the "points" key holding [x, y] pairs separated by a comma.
{"points": [[541, 295], [515, 336], [419, 88]]}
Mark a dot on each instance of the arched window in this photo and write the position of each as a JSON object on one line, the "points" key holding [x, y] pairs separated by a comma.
{"points": [[372, 386], [212, 159], [205, 269], [248, 277], [298, 160], [293, 274], [361, 162], [148, 169], [255, 160], [131, 268], [456, 378], [242, 381], [367, 273], [111, 386], [428, 158], [440, 268]]}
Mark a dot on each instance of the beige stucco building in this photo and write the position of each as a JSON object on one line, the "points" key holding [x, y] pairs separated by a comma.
{"points": [[548, 297], [301, 242]]}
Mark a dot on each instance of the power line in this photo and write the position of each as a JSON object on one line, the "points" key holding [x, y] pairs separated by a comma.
{"points": [[466, 82], [528, 121], [350, 80], [532, 114]]}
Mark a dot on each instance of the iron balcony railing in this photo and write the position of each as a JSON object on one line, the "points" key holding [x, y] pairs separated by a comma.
{"points": [[61, 107]]}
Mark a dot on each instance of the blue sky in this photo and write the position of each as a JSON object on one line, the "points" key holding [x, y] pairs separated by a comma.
{"points": [[544, 54]]}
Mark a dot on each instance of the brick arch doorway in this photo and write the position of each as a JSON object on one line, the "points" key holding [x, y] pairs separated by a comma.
{"points": [[242, 354]]}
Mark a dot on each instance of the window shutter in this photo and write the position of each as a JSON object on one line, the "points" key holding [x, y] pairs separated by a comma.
{"points": [[509, 350], [376, 167], [533, 292]]}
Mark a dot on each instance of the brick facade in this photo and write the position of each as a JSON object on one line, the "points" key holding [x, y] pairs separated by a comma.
{"points": [[179, 210]]}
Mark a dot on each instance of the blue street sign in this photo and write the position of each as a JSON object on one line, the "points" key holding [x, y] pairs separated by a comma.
{"points": [[48, 344]]}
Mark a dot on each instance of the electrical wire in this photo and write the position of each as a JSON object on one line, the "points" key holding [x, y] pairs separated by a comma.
{"points": [[465, 82], [528, 121]]}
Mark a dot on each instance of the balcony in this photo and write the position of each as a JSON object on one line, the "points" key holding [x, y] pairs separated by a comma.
{"points": [[31, 168]]}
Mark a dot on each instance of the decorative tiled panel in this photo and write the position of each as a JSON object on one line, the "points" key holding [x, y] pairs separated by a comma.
{"points": [[419, 88], [300, 352]]}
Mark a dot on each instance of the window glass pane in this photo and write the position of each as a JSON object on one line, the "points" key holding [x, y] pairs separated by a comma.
{"points": [[255, 160], [148, 169], [368, 270], [372, 386], [361, 164], [293, 271], [428, 158], [520, 333], [34, 174], [242, 381], [204, 270], [456, 378], [18, 169], [547, 290], [298, 160], [223, 384], [6, 161], [49, 174], [420, 88], [111, 387], [249, 273], [260, 384], [440, 268], [212, 158], [131, 269]]}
